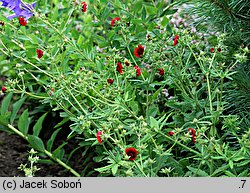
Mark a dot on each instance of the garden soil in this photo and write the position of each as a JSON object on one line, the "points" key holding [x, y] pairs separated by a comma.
{"points": [[14, 151]]}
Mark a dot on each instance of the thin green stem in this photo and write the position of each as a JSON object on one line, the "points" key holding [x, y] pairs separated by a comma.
{"points": [[83, 110], [138, 166], [209, 93], [180, 144]]}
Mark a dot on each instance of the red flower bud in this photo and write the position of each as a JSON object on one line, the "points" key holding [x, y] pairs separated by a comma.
{"points": [[39, 53], [212, 50], [112, 23], [22, 21], [4, 89], [170, 133], [119, 67], [84, 7], [176, 38], [98, 136], [161, 71], [110, 80], [138, 70]]}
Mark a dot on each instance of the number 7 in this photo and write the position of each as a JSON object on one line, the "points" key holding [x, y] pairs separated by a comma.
{"points": [[244, 181]]}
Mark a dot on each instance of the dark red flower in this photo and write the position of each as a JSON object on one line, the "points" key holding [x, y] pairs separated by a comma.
{"points": [[110, 80], [4, 89], [1, 23], [212, 50], [84, 7], [132, 153], [138, 51], [219, 50], [138, 70], [112, 23], [98, 136], [161, 71], [119, 67], [22, 21], [170, 133], [176, 38], [39, 53]]}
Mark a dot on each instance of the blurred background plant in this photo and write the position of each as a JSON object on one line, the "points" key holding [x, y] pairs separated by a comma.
{"points": [[231, 17]]}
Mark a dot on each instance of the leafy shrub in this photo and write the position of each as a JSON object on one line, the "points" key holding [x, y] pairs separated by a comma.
{"points": [[134, 90]]}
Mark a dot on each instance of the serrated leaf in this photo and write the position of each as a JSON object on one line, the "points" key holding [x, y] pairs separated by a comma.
{"points": [[38, 126], [36, 143], [23, 122], [6, 103], [15, 108]]}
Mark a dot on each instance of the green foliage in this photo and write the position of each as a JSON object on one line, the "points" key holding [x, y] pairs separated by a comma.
{"points": [[143, 110]]}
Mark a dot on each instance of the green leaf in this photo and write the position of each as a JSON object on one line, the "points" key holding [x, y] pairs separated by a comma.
{"points": [[38, 126], [4, 119], [6, 103], [144, 13], [114, 169], [243, 163], [244, 173], [52, 139], [15, 108], [134, 106], [36, 143], [165, 21], [105, 168], [59, 151], [151, 10], [220, 169], [229, 174], [231, 164], [197, 171], [137, 6], [23, 122], [154, 123], [65, 120], [152, 110]]}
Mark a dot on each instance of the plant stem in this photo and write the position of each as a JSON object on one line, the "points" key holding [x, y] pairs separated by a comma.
{"points": [[180, 144], [209, 94]]}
